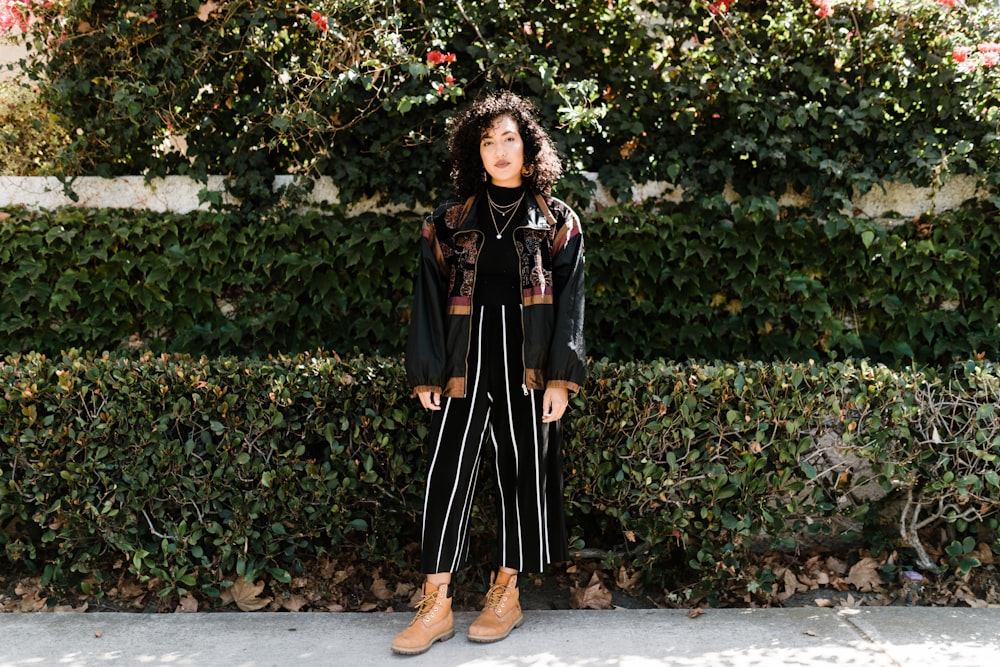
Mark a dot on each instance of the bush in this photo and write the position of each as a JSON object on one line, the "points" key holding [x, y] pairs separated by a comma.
{"points": [[29, 138], [691, 283], [191, 473], [761, 95]]}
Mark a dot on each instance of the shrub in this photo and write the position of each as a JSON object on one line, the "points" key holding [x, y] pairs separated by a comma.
{"points": [[193, 472], [29, 139], [680, 282], [760, 95]]}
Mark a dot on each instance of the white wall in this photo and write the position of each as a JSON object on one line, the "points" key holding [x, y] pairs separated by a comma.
{"points": [[180, 194]]}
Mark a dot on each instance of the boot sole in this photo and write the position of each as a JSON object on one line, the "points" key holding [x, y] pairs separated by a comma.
{"points": [[479, 639], [417, 650]]}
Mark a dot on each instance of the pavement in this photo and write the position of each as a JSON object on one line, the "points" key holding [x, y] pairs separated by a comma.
{"points": [[872, 637]]}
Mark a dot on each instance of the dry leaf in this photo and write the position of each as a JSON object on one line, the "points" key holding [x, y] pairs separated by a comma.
{"points": [[380, 589], [186, 605], [245, 595], [823, 602], [205, 11], [792, 585], [594, 596], [810, 633], [98, 635], [294, 603], [695, 613], [864, 575], [836, 565], [626, 582], [404, 590]]}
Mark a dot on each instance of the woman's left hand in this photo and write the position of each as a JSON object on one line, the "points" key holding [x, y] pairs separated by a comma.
{"points": [[554, 404]]}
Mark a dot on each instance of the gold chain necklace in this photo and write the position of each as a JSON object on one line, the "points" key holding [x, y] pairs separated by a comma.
{"points": [[505, 210]]}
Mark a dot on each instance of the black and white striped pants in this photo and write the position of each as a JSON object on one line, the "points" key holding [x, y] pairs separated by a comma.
{"points": [[497, 411]]}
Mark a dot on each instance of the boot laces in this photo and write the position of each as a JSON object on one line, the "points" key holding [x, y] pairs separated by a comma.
{"points": [[495, 595], [426, 605]]}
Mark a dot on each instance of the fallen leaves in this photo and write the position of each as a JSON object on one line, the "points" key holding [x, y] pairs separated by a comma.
{"points": [[592, 596], [246, 595], [865, 576]]}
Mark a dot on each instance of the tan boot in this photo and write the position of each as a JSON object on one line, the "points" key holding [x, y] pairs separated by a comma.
{"points": [[434, 622], [502, 612]]}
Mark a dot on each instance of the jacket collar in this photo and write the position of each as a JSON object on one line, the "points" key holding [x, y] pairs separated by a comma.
{"points": [[538, 214]]}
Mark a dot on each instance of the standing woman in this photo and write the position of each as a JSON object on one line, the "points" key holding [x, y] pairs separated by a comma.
{"points": [[495, 346]]}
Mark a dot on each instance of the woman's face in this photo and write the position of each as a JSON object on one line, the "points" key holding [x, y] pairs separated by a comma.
{"points": [[502, 151]]}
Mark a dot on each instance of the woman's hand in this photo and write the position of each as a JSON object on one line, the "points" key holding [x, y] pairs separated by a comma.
{"points": [[431, 400], [554, 404]]}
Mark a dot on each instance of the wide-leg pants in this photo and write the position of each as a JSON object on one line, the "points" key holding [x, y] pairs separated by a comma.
{"points": [[499, 412]]}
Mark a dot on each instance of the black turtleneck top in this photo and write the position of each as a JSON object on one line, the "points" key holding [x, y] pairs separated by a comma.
{"points": [[498, 281]]}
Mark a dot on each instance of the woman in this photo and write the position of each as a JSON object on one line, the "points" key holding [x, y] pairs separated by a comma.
{"points": [[495, 347]]}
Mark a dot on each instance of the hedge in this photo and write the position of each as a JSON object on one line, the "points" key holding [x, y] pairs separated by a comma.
{"points": [[193, 472], [676, 281]]}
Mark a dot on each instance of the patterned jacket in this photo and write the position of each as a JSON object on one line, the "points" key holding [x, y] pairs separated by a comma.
{"points": [[550, 248]]}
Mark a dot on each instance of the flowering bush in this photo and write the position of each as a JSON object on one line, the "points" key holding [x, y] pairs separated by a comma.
{"points": [[18, 14], [825, 97]]}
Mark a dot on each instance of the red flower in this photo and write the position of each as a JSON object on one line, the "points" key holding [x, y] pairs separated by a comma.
{"points": [[319, 21], [960, 53], [437, 58], [720, 7], [947, 3], [450, 80]]}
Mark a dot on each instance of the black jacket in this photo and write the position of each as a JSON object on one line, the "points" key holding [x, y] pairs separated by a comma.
{"points": [[550, 249]]}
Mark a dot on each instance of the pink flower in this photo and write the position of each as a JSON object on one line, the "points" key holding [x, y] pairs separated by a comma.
{"points": [[14, 16], [989, 47], [960, 53], [319, 21], [438, 58], [991, 58], [968, 66], [823, 8]]}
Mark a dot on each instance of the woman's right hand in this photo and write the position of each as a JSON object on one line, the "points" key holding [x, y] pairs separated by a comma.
{"points": [[431, 400]]}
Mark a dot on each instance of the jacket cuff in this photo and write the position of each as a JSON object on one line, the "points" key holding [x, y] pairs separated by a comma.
{"points": [[563, 384], [425, 387]]}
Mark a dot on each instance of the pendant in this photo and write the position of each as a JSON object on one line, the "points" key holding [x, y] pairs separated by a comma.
{"points": [[499, 236]]}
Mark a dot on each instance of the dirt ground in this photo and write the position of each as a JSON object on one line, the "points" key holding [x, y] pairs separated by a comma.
{"points": [[799, 580]]}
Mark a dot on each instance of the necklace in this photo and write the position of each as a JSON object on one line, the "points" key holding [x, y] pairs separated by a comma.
{"points": [[504, 211]]}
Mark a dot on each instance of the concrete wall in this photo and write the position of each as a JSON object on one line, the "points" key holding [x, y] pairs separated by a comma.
{"points": [[180, 194], [10, 52]]}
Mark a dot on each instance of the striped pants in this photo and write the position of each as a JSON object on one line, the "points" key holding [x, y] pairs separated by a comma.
{"points": [[497, 411]]}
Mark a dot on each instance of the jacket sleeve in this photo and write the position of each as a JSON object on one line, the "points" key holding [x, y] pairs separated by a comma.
{"points": [[568, 353], [425, 344]]}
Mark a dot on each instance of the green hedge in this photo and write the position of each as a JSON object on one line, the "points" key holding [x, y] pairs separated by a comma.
{"points": [[676, 281], [193, 472]]}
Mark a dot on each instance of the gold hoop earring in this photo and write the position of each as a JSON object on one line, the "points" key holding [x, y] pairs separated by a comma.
{"points": [[528, 171]]}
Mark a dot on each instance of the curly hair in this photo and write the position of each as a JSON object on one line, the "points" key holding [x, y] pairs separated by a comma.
{"points": [[467, 170]]}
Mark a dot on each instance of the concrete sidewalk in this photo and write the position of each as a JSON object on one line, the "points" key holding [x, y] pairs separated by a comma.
{"points": [[869, 637]]}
